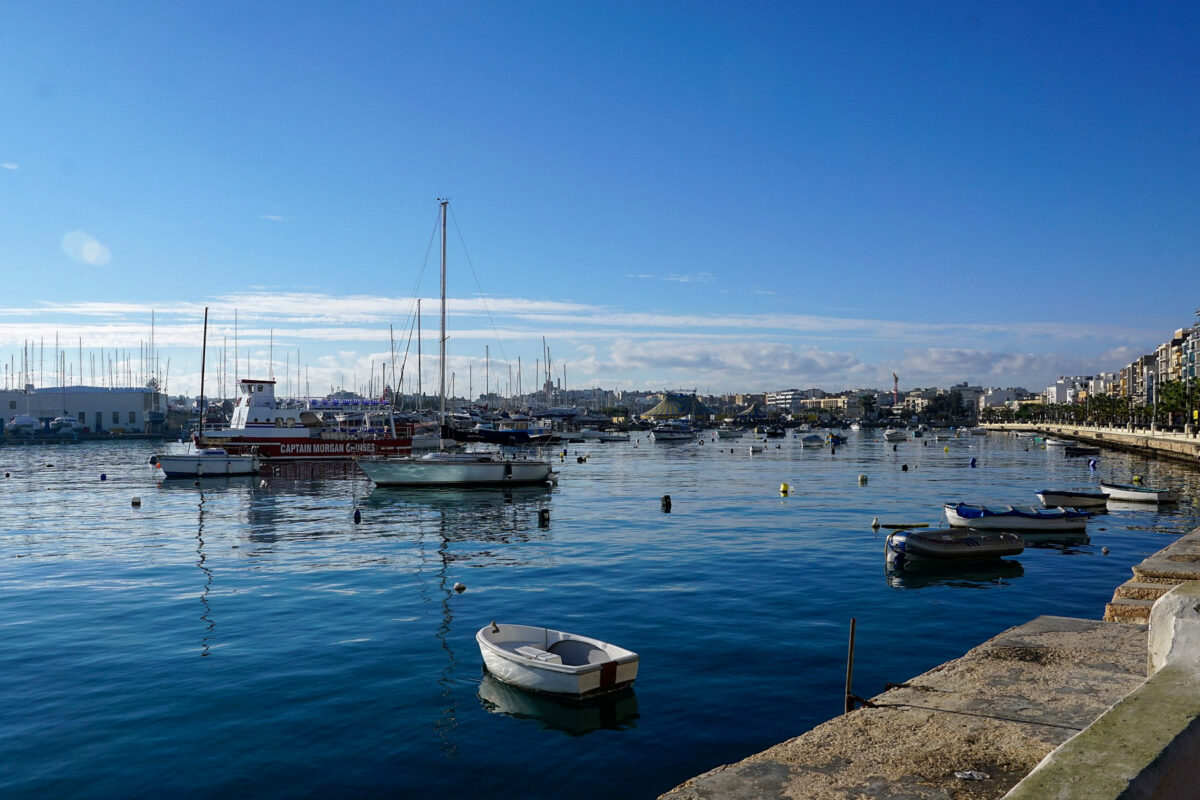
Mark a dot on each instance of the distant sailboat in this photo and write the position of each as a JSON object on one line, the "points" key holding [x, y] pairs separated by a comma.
{"points": [[453, 469]]}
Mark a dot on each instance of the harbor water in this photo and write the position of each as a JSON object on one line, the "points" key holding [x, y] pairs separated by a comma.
{"points": [[246, 636]]}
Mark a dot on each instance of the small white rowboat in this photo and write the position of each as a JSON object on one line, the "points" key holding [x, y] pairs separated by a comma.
{"points": [[555, 662], [1139, 494]]}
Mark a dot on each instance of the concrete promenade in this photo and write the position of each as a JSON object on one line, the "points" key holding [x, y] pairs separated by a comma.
{"points": [[1177, 446], [1057, 707]]}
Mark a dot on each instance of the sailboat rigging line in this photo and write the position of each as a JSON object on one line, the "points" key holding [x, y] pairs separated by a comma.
{"points": [[482, 298]]}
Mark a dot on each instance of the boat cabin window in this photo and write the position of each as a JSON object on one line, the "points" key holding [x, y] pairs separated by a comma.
{"points": [[279, 422], [258, 388]]}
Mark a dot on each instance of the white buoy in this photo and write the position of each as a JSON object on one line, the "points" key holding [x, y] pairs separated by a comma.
{"points": [[1104, 550], [875, 522], [460, 587], [862, 480]]}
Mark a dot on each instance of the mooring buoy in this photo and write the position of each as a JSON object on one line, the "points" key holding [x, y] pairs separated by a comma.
{"points": [[666, 502], [543, 517], [103, 477], [784, 488], [460, 587], [136, 502], [357, 516], [875, 522], [862, 480]]}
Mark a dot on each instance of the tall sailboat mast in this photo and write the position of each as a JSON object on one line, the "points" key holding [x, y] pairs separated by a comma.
{"points": [[442, 338]]}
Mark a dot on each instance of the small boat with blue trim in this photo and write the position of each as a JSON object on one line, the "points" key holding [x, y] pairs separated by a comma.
{"points": [[965, 515]]}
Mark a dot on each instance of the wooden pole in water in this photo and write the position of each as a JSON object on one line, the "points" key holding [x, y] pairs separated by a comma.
{"points": [[850, 668]]}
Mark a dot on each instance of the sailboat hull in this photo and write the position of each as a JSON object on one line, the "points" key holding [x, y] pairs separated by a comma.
{"points": [[457, 471]]}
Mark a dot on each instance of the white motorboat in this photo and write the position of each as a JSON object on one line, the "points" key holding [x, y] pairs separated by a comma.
{"points": [[23, 423], [1072, 498], [672, 431], [209, 462], [453, 469], [1050, 442], [555, 662], [65, 425], [612, 436], [813, 440], [895, 435], [978, 430], [730, 433], [912, 548], [1139, 494], [965, 515]]}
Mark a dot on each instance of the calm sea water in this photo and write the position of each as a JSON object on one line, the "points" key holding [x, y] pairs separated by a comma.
{"points": [[246, 637]]}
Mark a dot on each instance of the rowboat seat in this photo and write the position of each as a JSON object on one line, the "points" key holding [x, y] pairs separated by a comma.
{"points": [[575, 653], [538, 654]]}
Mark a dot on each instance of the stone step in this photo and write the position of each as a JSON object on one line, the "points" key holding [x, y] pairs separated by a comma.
{"points": [[1141, 590], [1128, 610]]}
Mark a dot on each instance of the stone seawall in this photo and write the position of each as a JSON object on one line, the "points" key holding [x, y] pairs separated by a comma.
{"points": [[999, 711]]}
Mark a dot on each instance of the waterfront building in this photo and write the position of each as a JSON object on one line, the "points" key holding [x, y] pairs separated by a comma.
{"points": [[133, 409]]}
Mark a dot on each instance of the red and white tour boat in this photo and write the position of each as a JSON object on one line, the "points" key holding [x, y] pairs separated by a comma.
{"points": [[307, 430]]}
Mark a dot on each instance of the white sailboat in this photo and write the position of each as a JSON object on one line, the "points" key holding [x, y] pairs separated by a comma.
{"points": [[453, 469]]}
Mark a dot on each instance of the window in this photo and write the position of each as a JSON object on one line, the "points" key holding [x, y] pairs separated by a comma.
{"points": [[116, 418], [12, 403], [132, 417]]}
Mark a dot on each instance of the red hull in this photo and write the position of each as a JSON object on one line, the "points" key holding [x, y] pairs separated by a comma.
{"points": [[312, 449]]}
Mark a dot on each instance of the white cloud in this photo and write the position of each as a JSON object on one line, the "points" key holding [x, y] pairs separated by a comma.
{"points": [[9, 165], [85, 249], [272, 217]]}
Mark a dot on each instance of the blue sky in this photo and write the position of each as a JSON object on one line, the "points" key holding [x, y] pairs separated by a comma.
{"points": [[721, 196]]}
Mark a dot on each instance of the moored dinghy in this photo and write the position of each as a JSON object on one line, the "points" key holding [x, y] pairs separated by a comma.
{"points": [[555, 662], [965, 515], [1072, 498], [1139, 494], [928, 548]]}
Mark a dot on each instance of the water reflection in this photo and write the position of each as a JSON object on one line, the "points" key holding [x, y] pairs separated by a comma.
{"points": [[450, 518], [950, 573], [617, 711], [208, 578]]}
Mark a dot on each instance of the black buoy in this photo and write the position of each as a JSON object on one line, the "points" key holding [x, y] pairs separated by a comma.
{"points": [[833, 451], [972, 463], [103, 477], [904, 467], [543, 517], [893, 448], [357, 516], [666, 503]]}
